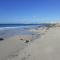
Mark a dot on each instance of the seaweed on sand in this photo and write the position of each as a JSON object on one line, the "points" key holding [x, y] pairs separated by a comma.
{"points": [[1, 39], [21, 39], [26, 41]]}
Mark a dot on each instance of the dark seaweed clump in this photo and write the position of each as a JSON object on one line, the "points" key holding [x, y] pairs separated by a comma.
{"points": [[26, 41], [1, 39]]}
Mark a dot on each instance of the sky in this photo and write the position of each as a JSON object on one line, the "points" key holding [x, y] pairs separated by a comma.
{"points": [[29, 11]]}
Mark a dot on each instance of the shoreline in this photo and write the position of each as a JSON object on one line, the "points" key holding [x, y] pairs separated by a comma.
{"points": [[11, 47], [44, 48]]}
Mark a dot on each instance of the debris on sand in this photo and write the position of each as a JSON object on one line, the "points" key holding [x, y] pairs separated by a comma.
{"points": [[1, 39], [26, 41]]}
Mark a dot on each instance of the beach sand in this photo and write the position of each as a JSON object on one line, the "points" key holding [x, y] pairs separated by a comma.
{"points": [[10, 47], [46, 47]]}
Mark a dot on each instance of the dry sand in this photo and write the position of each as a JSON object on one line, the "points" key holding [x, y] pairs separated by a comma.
{"points": [[46, 47], [10, 47]]}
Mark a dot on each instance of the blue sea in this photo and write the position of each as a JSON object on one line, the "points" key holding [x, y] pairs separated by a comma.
{"points": [[9, 30]]}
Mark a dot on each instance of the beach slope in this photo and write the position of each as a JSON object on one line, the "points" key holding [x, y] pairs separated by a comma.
{"points": [[45, 48]]}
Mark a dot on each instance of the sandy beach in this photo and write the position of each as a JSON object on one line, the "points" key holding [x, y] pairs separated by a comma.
{"points": [[29, 30], [46, 47], [11, 46]]}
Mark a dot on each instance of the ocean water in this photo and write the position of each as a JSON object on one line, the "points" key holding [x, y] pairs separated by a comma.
{"points": [[9, 30], [10, 26]]}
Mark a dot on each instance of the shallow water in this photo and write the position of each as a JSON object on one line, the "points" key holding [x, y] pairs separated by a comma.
{"points": [[9, 30], [6, 33]]}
